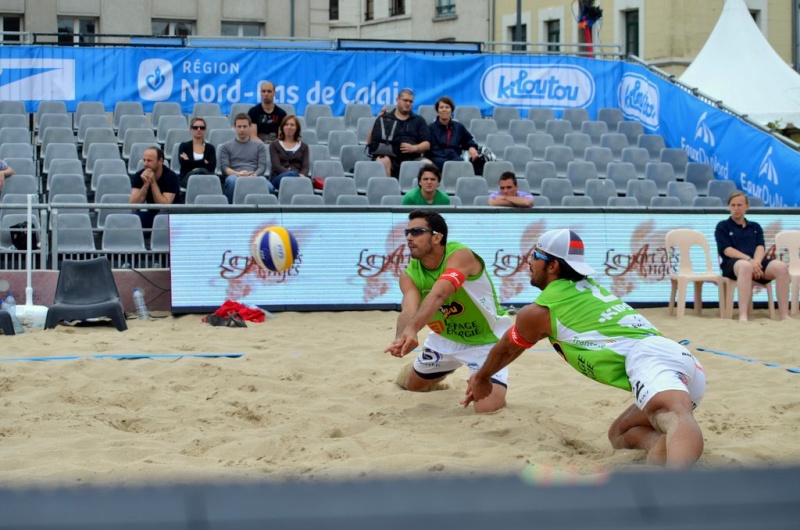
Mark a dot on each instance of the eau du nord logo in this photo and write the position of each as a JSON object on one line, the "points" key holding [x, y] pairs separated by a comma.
{"points": [[155, 79], [703, 132], [767, 168]]}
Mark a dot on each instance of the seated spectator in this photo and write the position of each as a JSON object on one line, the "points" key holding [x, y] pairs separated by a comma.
{"points": [[427, 192], [196, 157], [741, 248], [242, 156], [449, 138], [5, 172], [153, 184], [289, 154], [266, 117], [509, 194], [398, 135]]}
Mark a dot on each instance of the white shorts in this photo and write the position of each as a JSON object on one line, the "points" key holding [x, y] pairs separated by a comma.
{"points": [[657, 364], [440, 356]]}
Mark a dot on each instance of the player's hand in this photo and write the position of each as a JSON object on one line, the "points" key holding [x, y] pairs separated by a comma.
{"points": [[477, 389], [404, 344]]}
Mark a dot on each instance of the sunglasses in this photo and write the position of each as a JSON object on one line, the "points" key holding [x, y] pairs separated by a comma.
{"points": [[417, 231], [199, 127], [539, 256]]}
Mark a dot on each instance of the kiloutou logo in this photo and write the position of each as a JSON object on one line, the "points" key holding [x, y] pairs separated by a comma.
{"points": [[537, 85], [155, 79], [639, 99]]}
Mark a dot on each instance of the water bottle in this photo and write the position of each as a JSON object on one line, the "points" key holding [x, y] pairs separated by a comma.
{"points": [[141, 307], [10, 305]]}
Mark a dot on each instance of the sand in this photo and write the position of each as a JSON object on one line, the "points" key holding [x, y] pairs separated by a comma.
{"points": [[312, 397]]}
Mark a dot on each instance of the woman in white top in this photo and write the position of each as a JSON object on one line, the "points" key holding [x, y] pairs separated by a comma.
{"points": [[289, 155]]}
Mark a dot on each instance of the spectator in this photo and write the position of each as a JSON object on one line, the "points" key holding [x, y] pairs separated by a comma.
{"points": [[289, 154], [266, 116], [153, 184], [398, 135], [510, 194], [740, 244], [449, 138], [242, 156], [196, 157], [5, 172], [427, 192]]}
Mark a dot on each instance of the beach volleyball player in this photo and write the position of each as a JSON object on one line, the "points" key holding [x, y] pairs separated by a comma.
{"points": [[447, 288]]}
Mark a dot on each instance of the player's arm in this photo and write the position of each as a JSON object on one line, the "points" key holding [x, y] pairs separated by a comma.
{"points": [[532, 325], [521, 202], [408, 307]]}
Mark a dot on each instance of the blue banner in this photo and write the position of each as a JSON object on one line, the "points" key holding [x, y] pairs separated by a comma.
{"points": [[757, 163]]}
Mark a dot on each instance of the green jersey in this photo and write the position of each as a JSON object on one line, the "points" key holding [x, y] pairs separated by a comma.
{"points": [[472, 315], [592, 329], [414, 197]]}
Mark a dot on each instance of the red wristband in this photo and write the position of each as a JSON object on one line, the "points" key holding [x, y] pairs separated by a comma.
{"points": [[454, 276], [515, 338]]}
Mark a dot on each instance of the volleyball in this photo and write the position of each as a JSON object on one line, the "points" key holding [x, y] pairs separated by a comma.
{"points": [[274, 248]]}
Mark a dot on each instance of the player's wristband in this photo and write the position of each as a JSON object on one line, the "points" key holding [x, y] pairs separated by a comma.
{"points": [[454, 276], [515, 338]]}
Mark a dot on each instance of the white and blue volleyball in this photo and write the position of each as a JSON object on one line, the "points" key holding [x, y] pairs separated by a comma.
{"points": [[274, 248]]}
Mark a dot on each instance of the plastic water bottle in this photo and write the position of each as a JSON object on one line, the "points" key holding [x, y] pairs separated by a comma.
{"points": [[141, 307], [10, 305]]}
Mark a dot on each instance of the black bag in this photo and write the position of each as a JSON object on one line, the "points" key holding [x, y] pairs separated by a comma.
{"points": [[19, 236], [484, 155], [381, 144]]}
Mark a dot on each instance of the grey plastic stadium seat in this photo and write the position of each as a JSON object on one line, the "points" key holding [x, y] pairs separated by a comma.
{"points": [[363, 127], [65, 183], [707, 202], [49, 120], [467, 188], [98, 136], [678, 158], [561, 156], [123, 232], [595, 129], [49, 107], [520, 129], [492, 171], [481, 128], [620, 173], [108, 166], [631, 129], [555, 189], [665, 202], [578, 142], [165, 108], [85, 108], [616, 142], [16, 203], [218, 137], [291, 187], [654, 143], [15, 135], [638, 156], [93, 121], [661, 173], [576, 117], [540, 116], [610, 115], [504, 115], [307, 200], [131, 122], [600, 190], [118, 183], [536, 172], [642, 191], [699, 174], [110, 198], [261, 199], [480, 200], [327, 124], [408, 174], [452, 170], [315, 111], [16, 150], [498, 142], [579, 201], [57, 135], [338, 139], [159, 240], [349, 155], [336, 186], [215, 123], [86, 289], [354, 112], [538, 143], [519, 156], [20, 184], [721, 189], [353, 200], [328, 168], [541, 202], [391, 200], [466, 113], [684, 191], [125, 108], [365, 170], [578, 172], [623, 202], [73, 233], [601, 157], [428, 113], [7, 226], [756, 202], [137, 136], [169, 122], [318, 152], [244, 187], [17, 121], [206, 109], [219, 200], [377, 187], [203, 185], [61, 166], [174, 137], [101, 151], [558, 129], [69, 198]]}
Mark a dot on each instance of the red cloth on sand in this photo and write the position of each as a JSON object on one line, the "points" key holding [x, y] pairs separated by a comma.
{"points": [[246, 313]]}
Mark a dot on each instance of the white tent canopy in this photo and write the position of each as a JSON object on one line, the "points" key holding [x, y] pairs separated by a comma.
{"points": [[739, 67]]}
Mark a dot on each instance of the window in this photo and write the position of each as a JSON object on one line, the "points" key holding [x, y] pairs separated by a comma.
{"points": [[333, 10], [553, 28], [512, 37], [76, 30], [397, 7], [11, 23], [241, 29], [445, 8], [632, 32], [369, 13], [172, 28]]}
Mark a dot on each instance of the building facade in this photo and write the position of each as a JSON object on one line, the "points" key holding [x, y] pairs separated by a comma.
{"points": [[667, 34]]}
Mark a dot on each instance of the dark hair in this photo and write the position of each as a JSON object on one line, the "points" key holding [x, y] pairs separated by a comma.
{"points": [[447, 100], [196, 119], [434, 219], [565, 272], [242, 116], [282, 135], [158, 150], [509, 175], [429, 168]]}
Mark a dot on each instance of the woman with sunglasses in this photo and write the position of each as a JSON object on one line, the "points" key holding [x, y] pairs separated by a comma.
{"points": [[196, 156], [289, 155]]}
